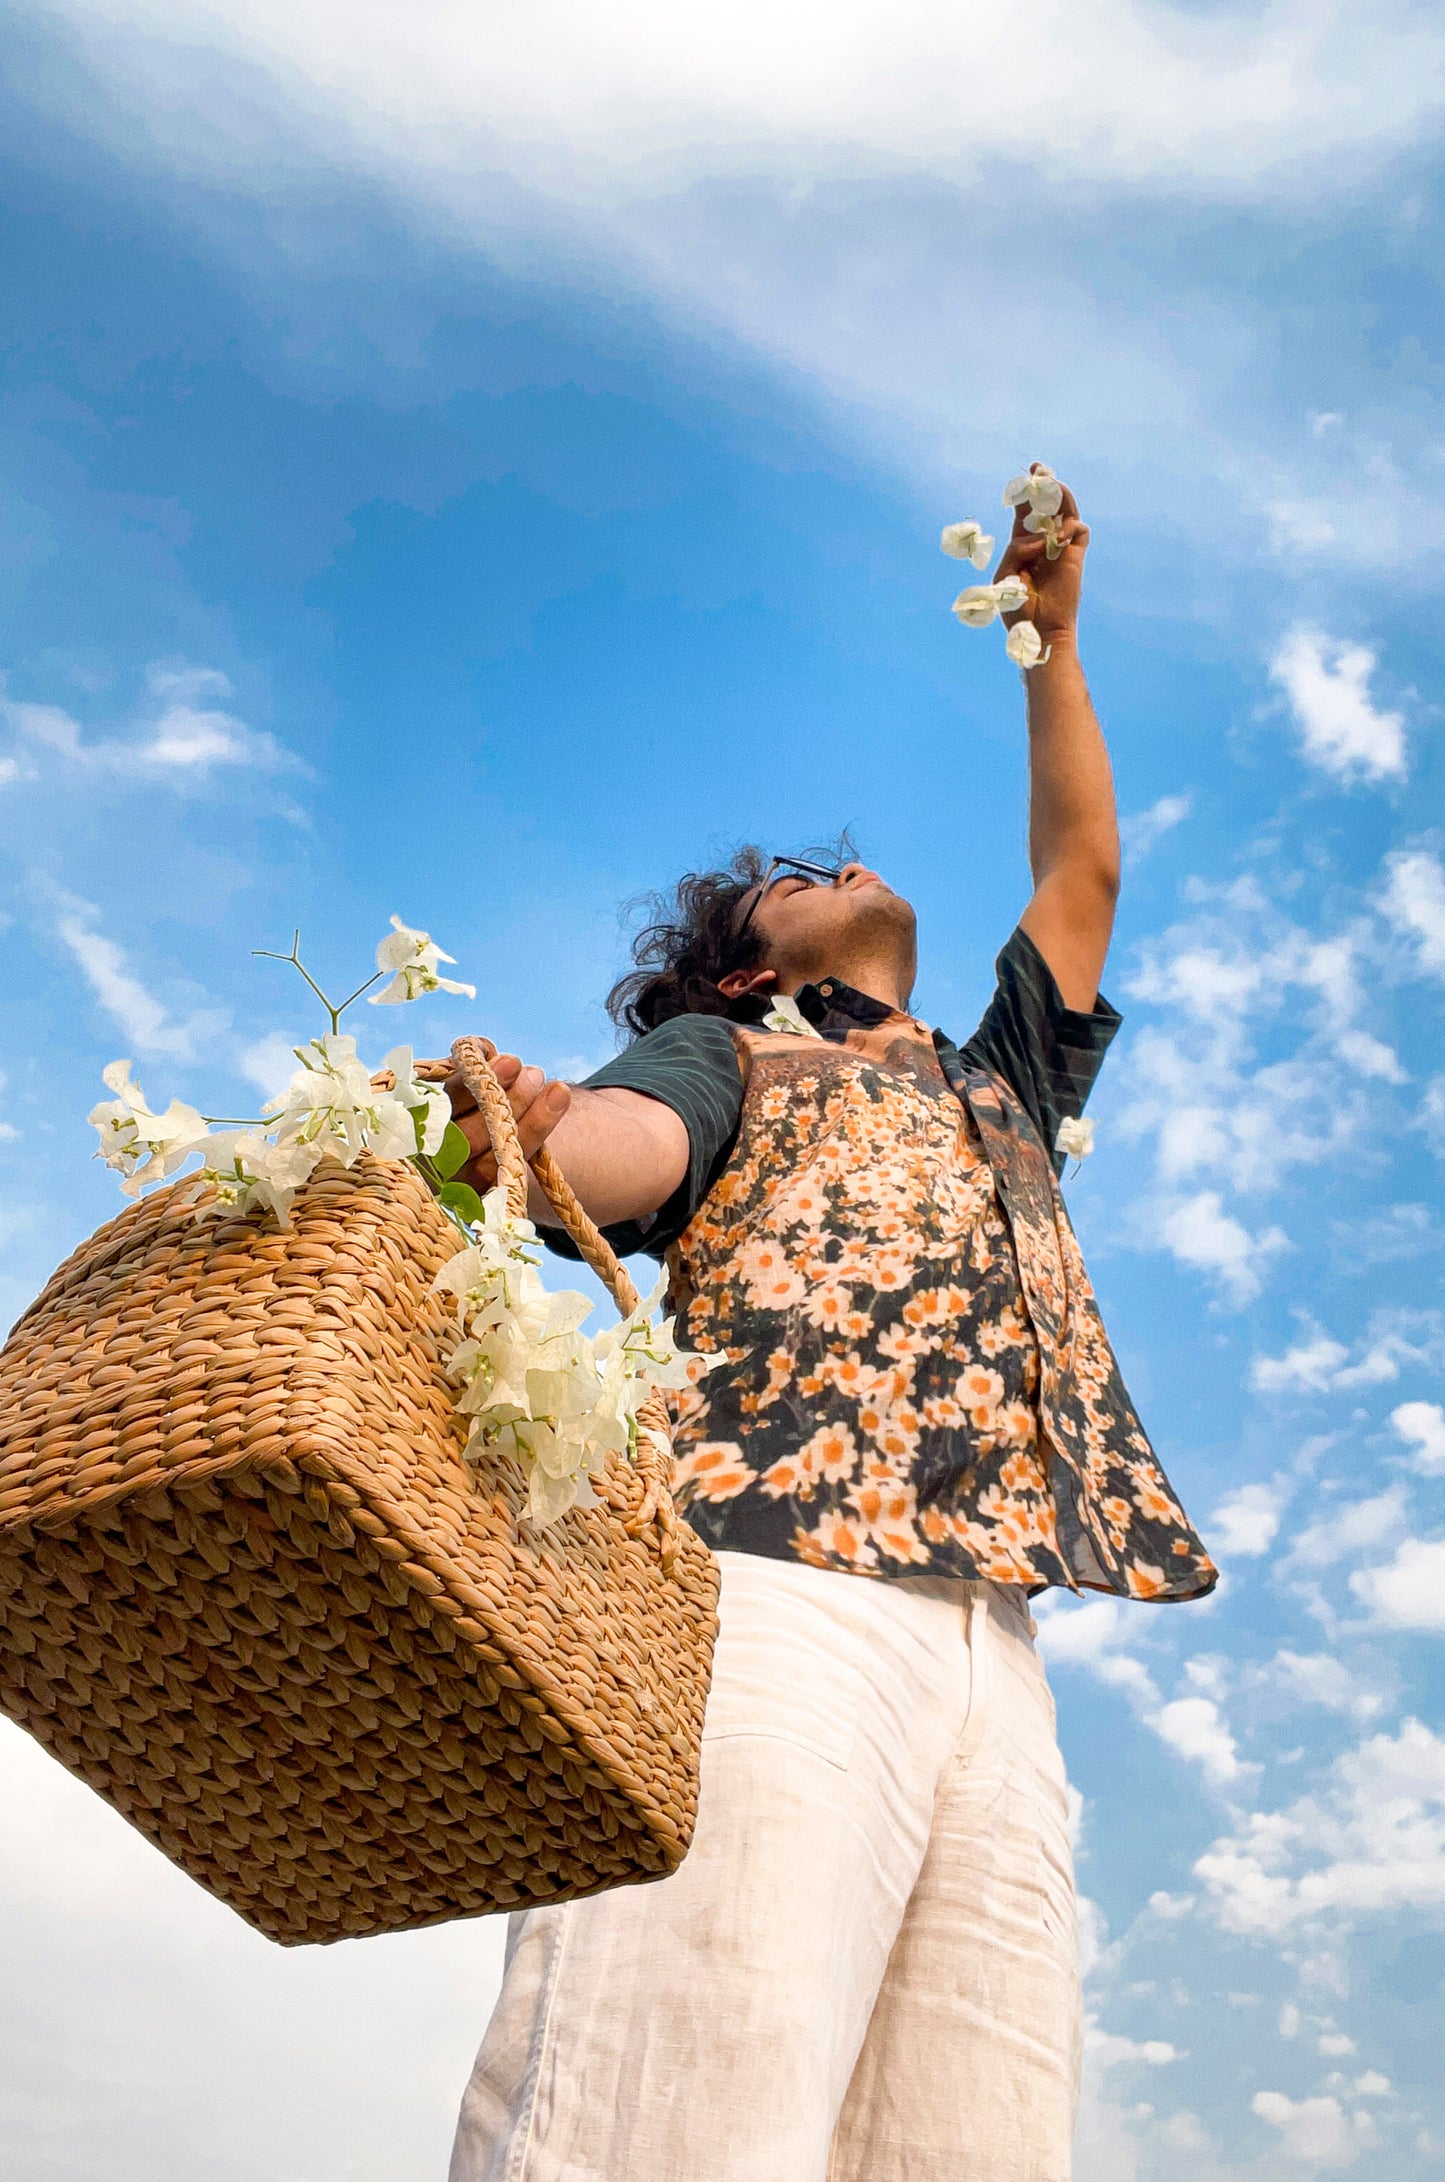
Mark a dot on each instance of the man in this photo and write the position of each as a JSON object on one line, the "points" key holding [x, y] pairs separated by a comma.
{"points": [[865, 1969]]}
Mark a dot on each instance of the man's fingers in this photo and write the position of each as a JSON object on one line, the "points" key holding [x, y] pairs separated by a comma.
{"points": [[541, 1117], [521, 1088]]}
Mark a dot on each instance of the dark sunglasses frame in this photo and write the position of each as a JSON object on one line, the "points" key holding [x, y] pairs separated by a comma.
{"points": [[782, 867]]}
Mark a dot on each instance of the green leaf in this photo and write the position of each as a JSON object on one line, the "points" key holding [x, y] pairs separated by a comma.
{"points": [[454, 1153], [462, 1199]]}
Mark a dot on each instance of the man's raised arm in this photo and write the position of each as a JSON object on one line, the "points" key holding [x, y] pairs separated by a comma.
{"points": [[1073, 824]]}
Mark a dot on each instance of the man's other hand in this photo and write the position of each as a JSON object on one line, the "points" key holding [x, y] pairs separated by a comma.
{"points": [[1056, 585]]}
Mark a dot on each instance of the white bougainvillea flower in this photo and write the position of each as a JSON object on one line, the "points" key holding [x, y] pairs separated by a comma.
{"points": [[427, 1103], [1047, 528], [414, 958], [982, 603], [332, 1105], [244, 1170], [785, 1014], [142, 1146], [1075, 1138], [1025, 647], [1037, 489], [531, 1381], [967, 542]]}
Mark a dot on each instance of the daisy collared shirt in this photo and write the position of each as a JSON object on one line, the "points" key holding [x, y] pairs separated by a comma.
{"points": [[917, 1378]]}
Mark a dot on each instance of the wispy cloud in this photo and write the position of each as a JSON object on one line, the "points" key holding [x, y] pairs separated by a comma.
{"points": [[182, 741], [144, 1021], [1341, 729], [1319, 1364], [569, 99], [1414, 901], [1145, 829]]}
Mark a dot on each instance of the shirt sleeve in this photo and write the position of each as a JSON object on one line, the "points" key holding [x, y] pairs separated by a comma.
{"points": [[1049, 1055], [691, 1064]]}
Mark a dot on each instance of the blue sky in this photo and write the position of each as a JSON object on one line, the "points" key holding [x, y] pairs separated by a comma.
{"points": [[477, 470]]}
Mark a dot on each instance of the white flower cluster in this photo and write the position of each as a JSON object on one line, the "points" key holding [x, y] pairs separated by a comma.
{"points": [[532, 1381], [333, 1108], [1040, 491], [414, 958]]}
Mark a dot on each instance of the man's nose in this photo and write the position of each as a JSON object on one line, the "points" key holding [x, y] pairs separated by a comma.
{"points": [[855, 875]]}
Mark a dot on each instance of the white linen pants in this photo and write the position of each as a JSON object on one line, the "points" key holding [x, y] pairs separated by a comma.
{"points": [[865, 1968]]}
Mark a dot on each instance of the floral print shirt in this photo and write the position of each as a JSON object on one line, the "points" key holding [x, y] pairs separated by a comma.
{"points": [[917, 1380]]}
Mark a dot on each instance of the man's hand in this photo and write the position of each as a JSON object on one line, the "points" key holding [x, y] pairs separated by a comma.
{"points": [[1056, 585], [537, 1107]]}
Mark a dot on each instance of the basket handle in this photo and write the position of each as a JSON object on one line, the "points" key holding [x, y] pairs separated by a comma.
{"points": [[655, 1511]]}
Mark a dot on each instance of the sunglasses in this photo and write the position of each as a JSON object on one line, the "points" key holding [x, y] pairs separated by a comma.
{"points": [[788, 867]]}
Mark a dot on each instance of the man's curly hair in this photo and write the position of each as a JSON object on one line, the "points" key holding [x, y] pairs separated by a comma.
{"points": [[690, 943]]}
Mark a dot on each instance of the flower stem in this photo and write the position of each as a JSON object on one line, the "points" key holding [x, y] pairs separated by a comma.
{"points": [[267, 954]]}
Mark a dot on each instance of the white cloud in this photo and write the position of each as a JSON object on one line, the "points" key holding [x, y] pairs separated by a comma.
{"points": [[1107, 2049], [1422, 1426], [1310, 1365], [1143, 830], [1223, 1124], [270, 1063], [1319, 1678], [1328, 688], [1351, 1526], [1431, 1117], [1246, 1520], [1408, 1592], [142, 1019], [1315, 2131], [1195, 1727], [1319, 1364], [1370, 1056], [1201, 1234], [183, 740], [1370, 1842], [1092, 1637], [1414, 902], [579, 104]]}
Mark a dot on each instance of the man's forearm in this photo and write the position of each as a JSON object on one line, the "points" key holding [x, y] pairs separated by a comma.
{"points": [[1073, 826], [1072, 817], [623, 1153]]}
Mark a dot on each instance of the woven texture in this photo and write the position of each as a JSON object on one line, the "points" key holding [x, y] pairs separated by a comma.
{"points": [[252, 1595]]}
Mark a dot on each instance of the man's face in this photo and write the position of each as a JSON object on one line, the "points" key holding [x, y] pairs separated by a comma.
{"points": [[810, 929]]}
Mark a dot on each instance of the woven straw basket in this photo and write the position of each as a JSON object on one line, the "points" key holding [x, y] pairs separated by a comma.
{"points": [[251, 1593]]}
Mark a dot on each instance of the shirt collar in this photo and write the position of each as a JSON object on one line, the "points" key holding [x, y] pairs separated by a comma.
{"points": [[834, 1008]]}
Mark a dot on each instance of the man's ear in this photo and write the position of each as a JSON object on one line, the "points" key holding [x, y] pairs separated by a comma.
{"points": [[738, 983]]}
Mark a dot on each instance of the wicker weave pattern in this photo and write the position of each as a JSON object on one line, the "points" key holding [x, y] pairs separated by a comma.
{"points": [[250, 1592]]}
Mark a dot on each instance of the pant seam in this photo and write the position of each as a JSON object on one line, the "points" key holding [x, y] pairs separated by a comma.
{"points": [[520, 2168], [977, 1637]]}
